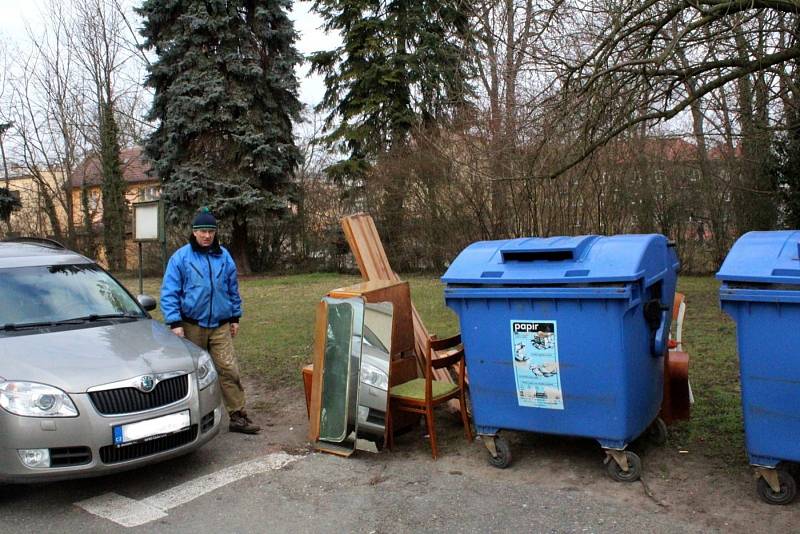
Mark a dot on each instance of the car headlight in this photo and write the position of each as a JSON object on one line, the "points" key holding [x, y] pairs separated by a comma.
{"points": [[206, 372], [374, 376], [35, 400]]}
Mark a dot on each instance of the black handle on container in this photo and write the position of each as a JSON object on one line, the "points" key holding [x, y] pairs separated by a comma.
{"points": [[657, 317]]}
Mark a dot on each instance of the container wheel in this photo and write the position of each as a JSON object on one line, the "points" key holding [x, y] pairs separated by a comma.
{"points": [[503, 458], [634, 468], [657, 432], [787, 493]]}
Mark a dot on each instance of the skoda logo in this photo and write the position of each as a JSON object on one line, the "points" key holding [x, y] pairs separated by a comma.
{"points": [[147, 383]]}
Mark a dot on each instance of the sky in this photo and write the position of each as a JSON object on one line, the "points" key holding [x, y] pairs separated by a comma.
{"points": [[16, 15]]}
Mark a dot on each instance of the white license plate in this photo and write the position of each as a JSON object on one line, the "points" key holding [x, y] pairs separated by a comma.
{"points": [[151, 428]]}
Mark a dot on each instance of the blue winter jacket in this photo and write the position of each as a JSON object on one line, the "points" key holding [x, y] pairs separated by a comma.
{"points": [[201, 288]]}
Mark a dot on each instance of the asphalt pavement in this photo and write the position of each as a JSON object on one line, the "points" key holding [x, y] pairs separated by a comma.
{"points": [[248, 484]]}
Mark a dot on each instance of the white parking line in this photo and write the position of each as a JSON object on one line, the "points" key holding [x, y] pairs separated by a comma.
{"points": [[131, 513], [121, 510]]}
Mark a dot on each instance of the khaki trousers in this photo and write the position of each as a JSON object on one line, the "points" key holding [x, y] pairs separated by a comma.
{"points": [[218, 342]]}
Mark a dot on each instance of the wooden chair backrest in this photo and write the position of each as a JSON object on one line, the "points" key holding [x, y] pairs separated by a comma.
{"points": [[676, 305], [678, 313]]}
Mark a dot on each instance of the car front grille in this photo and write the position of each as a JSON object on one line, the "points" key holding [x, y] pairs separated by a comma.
{"points": [[130, 400], [376, 417], [111, 454], [68, 456]]}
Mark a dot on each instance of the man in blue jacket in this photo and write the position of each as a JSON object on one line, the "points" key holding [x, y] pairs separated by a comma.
{"points": [[200, 301]]}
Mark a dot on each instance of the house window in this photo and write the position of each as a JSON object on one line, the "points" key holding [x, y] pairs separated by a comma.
{"points": [[149, 192], [94, 200]]}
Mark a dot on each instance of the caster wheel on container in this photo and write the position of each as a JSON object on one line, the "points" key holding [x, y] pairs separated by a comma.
{"points": [[657, 432], [787, 493], [503, 458], [634, 468]]}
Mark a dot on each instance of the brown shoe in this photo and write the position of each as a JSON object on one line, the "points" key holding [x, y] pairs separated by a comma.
{"points": [[241, 423]]}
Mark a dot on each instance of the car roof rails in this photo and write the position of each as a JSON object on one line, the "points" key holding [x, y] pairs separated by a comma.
{"points": [[43, 241]]}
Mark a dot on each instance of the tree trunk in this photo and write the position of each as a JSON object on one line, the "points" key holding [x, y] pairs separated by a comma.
{"points": [[755, 206], [238, 247]]}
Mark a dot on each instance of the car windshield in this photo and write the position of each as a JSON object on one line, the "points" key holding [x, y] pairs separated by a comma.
{"points": [[55, 293]]}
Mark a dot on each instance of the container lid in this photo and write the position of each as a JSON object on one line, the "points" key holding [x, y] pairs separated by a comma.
{"points": [[563, 260], [763, 257]]}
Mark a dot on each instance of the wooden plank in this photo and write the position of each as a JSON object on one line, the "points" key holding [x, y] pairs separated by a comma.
{"points": [[335, 448], [365, 243], [676, 405], [308, 378]]}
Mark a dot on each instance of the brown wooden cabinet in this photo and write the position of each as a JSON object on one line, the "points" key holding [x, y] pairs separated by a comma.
{"points": [[404, 364]]}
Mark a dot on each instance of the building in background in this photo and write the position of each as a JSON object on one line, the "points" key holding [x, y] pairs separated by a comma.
{"points": [[87, 179], [42, 202]]}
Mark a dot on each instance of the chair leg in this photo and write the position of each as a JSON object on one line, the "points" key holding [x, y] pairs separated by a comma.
{"points": [[431, 431], [389, 431], [464, 418]]}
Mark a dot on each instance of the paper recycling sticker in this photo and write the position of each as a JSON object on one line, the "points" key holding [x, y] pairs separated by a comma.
{"points": [[534, 347]]}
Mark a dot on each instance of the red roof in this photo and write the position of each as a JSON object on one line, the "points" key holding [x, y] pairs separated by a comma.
{"points": [[135, 169], [672, 149], [724, 151], [660, 148]]}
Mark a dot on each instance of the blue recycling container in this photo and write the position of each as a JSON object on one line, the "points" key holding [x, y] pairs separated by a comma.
{"points": [[761, 291], [565, 335]]}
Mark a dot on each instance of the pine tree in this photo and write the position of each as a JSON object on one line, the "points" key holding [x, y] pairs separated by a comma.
{"points": [[225, 98], [112, 187], [8, 203], [402, 64]]}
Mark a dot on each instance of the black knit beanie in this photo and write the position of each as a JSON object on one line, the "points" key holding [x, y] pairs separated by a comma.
{"points": [[204, 221]]}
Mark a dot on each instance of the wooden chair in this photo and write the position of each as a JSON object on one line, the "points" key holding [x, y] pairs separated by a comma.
{"points": [[678, 397], [678, 313], [421, 395]]}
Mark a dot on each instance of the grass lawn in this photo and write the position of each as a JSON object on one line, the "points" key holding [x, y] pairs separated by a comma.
{"points": [[276, 339], [710, 339]]}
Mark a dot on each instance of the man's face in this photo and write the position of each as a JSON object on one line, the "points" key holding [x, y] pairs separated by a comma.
{"points": [[204, 237]]}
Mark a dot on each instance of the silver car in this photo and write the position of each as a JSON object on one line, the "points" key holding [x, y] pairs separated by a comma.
{"points": [[373, 392], [89, 383]]}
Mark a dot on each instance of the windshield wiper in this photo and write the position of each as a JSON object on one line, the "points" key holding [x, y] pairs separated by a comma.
{"points": [[10, 327], [98, 316]]}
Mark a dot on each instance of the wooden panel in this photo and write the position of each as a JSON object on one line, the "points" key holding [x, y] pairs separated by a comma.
{"points": [[308, 379], [335, 448], [362, 235], [676, 405], [365, 243], [399, 295]]}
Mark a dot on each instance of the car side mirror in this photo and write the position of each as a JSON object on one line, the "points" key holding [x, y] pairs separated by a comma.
{"points": [[147, 302]]}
